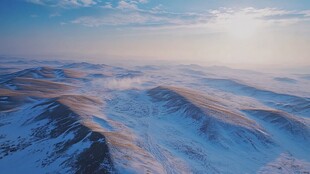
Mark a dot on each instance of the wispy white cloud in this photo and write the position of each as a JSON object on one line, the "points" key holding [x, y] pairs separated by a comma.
{"points": [[126, 19], [158, 8], [107, 5], [65, 3], [219, 18], [127, 5], [132, 13], [120, 4]]}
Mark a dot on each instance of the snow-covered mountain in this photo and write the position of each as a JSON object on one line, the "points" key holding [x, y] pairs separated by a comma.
{"points": [[64, 117]]}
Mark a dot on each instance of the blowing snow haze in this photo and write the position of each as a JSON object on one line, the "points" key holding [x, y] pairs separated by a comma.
{"points": [[145, 86]]}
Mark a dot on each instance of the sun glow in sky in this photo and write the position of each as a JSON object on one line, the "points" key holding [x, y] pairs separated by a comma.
{"points": [[242, 26], [256, 33]]}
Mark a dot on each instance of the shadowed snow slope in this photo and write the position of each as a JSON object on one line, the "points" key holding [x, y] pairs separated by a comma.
{"points": [[57, 137], [217, 122], [85, 65], [286, 102], [45, 72], [296, 126], [44, 131]]}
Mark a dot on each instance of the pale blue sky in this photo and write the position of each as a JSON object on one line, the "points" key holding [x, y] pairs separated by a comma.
{"points": [[239, 32]]}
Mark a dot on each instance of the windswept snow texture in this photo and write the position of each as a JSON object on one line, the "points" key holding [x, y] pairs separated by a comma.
{"points": [[80, 117]]}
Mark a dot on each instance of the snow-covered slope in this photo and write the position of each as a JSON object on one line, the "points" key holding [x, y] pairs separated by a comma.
{"points": [[219, 123], [286, 102], [50, 136], [64, 117], [45, 72]]}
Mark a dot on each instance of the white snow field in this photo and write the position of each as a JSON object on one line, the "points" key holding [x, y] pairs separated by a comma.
{"points": [[79, 117]]}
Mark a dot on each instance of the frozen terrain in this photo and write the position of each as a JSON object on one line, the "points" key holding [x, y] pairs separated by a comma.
{"points": [[80, 117]]}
